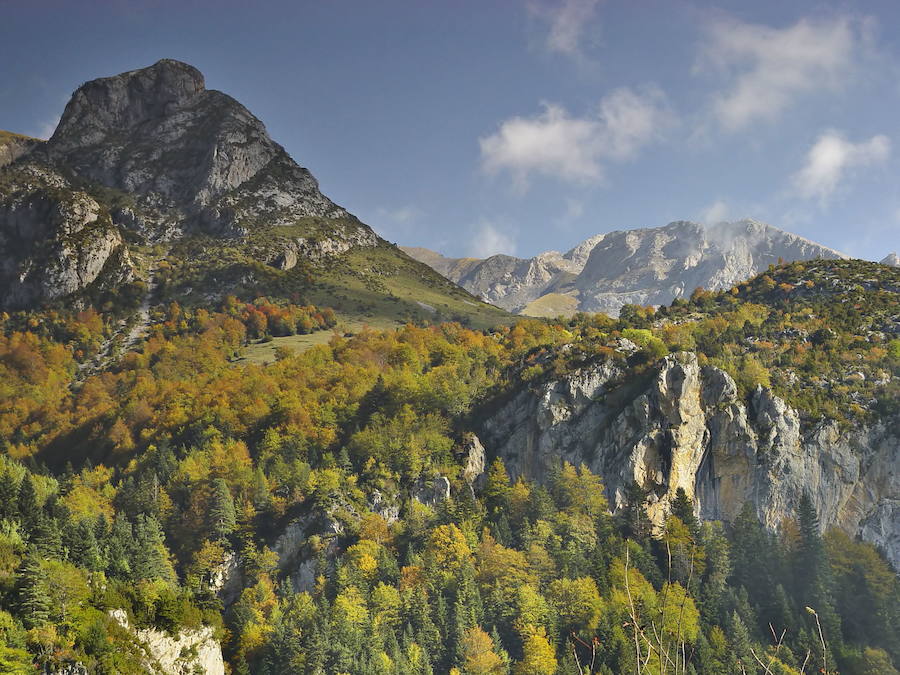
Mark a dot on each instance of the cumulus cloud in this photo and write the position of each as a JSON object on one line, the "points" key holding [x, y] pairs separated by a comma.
{"points": [[772, 67], [554, 143], [829, 159], [488, 240], [568, 20]]}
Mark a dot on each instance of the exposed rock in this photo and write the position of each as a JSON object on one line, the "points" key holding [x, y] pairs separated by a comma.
{"points": [[313, 534], [187, 653], [431, 492], [389, 511], [646, 266], [473, 469], [226, 580], [687, 428], [56, 241], [891, 259]]}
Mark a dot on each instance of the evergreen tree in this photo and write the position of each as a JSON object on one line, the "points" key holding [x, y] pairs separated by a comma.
{"points": [[633, 518], [222, 519], [29, 511], [32, 597], [683, 509], [741, 656], [148, 555], [812, 571], [9, 493], [46, 536]]}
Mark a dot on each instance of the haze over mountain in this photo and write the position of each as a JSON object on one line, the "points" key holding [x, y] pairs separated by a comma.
{"points": [[152, 158], [650, 266]]}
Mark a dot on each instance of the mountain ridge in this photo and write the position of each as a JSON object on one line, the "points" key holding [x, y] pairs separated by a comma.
{"points": [[640, 266]]}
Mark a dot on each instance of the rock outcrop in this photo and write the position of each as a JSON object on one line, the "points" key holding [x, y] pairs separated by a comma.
{"points": [[56, 240], [891, 259], [190, 652], [685, 427], [645, 266]]}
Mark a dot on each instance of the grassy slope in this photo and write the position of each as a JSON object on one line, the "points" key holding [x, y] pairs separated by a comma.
{"points": [[9, 136], [551, 305]]}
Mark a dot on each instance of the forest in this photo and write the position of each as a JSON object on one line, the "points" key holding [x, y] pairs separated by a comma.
{"points": [[132, 487]]}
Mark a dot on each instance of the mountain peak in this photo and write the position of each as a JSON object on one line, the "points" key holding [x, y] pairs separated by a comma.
{"points": [[891, 259], [123, 101], [641, 266]]}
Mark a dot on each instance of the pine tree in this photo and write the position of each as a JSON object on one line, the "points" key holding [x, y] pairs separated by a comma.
{"points": [[633, 517], [741, 654], [813, 573], [222, 519], [46, 536], [9, 494], [148, 555], [33, 600], [27, 504], [683, 509]]}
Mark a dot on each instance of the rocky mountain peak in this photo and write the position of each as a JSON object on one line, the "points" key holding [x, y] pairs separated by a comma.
{"points": [[122, 102], [891, 259], [639, 266]]}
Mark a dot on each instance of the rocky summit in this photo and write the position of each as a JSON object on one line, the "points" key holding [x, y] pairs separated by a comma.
{"points": [[644, 266], [151, 169]]}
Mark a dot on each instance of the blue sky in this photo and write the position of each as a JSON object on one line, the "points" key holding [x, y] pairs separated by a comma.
{"points": [[502, 126]]}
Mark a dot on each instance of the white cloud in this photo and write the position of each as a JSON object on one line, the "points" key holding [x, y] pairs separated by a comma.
{"points": [[715, 213], [830, 157], [772, 67], [488, 241], [568, 20], [556, 144]]}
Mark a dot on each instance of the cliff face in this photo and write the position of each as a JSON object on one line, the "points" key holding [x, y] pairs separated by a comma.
{"points": [[684, 426], [55, 240], [649, 266], [189, 652]]}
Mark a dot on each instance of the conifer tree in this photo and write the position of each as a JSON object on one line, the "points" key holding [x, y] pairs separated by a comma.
{"points": [[27, 504], [222, 519], [8, 496], [683, 509], [33, 600]]}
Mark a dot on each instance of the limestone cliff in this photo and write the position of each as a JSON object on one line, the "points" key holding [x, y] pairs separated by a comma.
{"points": [[189, 652], [684, 426]]}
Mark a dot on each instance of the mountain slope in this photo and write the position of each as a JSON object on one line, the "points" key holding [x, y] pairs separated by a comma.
{"points": [[645, 266], [151, 167]]}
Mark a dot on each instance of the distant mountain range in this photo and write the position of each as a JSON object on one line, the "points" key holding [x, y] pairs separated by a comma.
{"points": [[649, 266], [151, 171]]}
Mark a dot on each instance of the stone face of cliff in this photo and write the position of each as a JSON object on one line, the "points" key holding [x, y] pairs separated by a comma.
{"points": [[56, 240], [189, 652], [646, 266], [683, 426]]}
